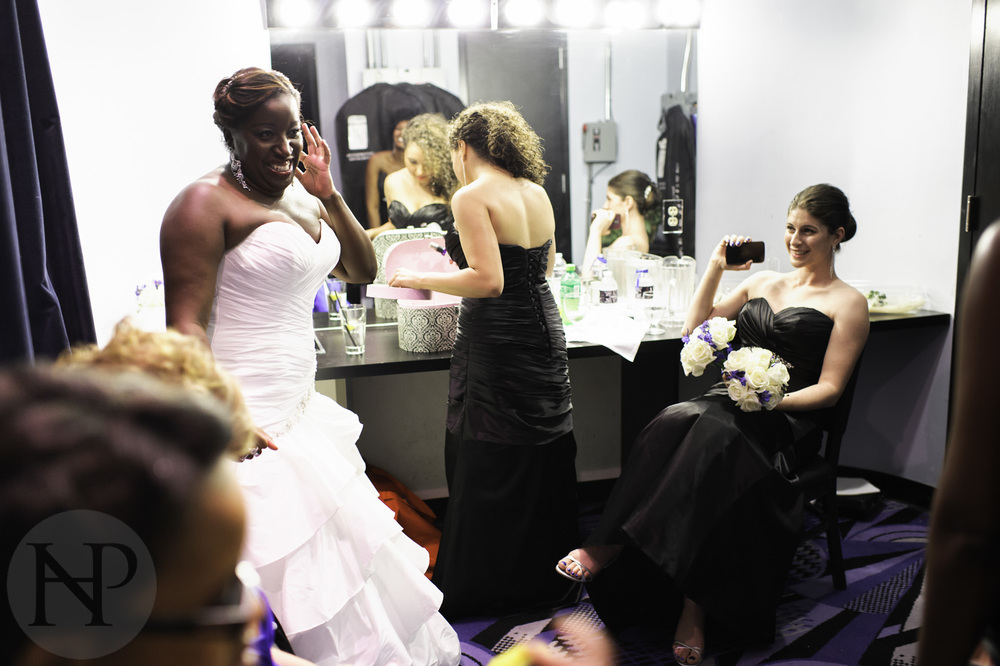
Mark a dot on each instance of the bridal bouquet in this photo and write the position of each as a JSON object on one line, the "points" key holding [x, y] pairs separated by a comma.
{"points": [[755, 377], [707, 344]]}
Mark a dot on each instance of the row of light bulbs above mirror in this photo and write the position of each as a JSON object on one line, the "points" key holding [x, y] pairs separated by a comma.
{"points": [[484, 14]]}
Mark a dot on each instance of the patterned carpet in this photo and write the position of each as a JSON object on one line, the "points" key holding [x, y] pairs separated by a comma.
{"points": [[873, 622]]}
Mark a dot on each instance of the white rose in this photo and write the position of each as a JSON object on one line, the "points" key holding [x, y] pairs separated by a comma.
{"points": [[778, 374], [760, 357], [749, 403], [757, 378], [737, 391], [738, 359], [695, 356], [722, 331]]}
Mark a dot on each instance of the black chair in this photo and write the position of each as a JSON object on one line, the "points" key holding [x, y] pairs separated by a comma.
{"points": [[818, 477]]}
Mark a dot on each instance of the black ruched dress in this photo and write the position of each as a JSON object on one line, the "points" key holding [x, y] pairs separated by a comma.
{"points": [[510, 452], [708, 495]]}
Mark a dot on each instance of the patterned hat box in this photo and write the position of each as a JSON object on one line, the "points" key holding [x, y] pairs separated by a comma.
{"points": [[427, 326], [427, 319], [385, 308]]}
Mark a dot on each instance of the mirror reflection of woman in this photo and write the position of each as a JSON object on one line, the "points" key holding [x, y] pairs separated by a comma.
{"points": [[707, 508], [379, 166], [509, 448], [419, 193], [628, 219]]}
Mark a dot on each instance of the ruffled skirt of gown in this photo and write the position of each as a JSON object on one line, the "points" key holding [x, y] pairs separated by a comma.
{"points": [[347, 585]]}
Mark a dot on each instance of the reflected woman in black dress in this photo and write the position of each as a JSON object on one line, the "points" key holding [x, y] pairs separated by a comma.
{"points": [[510, 452], [418, 194], [706, 505]]}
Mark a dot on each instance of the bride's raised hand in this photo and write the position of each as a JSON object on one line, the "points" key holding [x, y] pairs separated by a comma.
{"points": [[317, 178]]}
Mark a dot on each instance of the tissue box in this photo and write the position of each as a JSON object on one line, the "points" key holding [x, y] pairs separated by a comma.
{"points": [[427, 326], [385, 308]]}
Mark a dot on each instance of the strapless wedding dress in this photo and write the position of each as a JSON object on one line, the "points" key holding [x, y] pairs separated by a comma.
{"points": [[347, 586]]}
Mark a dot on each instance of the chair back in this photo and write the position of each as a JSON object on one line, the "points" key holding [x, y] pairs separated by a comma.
{"points": [[835, 420]]}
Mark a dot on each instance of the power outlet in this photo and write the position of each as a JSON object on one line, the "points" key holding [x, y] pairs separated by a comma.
{"points": [[673, 216]]}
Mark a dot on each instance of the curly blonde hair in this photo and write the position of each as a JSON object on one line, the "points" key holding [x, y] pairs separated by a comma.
{"points": [[500, 135], [430, 132], [173, 358]]}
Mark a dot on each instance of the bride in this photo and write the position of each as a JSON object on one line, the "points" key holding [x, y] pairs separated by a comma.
{"points": [[244, 249]]}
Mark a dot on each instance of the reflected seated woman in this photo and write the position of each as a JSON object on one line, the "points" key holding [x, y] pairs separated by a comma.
{"points": [[707, 510]]}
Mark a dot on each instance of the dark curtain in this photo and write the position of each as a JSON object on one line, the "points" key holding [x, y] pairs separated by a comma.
{"points": [[44, 303]]}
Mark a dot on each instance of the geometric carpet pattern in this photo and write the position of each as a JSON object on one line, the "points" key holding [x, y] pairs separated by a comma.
{"points": [[873, 622]]}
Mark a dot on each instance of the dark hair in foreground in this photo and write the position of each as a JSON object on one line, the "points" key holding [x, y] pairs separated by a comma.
{"points": [[126, 446], [501, 136], [829, 205], [237, 97]]}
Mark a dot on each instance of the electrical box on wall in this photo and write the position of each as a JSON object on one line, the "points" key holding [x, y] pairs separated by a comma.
{"points": [[600, 141]]}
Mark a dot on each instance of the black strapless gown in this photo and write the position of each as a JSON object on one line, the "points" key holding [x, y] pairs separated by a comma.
{"points": [[510, 452], [708, 499], [402, 218]]}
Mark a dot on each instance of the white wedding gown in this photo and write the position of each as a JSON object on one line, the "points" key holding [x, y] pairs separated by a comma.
{"points": [[347, 586]]}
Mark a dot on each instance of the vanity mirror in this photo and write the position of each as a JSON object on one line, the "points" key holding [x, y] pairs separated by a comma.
{"points": [[561, 80]]}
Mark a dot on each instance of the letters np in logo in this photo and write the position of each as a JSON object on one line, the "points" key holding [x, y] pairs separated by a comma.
{"points": [[81, 584]]}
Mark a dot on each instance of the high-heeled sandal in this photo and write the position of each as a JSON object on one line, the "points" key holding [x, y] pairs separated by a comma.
{"points": [[697, 652], [563, 570]]}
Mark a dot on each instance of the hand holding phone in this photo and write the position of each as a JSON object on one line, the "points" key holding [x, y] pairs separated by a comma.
{"points": [[737, 255]]}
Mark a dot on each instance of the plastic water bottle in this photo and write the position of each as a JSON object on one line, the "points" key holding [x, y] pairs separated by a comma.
{"points": [[559, 266], [570, 288], [598, 268], [643, 285], [607, 287]]}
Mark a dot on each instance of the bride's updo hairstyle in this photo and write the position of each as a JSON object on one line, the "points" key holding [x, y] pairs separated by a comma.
{"points": [[502, 137], [829, 205], [237, 97]]}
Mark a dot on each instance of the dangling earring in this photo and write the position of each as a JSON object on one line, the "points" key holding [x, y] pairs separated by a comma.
{"points": [[464, 179], [237, 169]]}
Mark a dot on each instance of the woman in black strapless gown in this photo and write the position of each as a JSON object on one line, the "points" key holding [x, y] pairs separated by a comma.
{"points": [[418, 194], [705, 508], [510, 452]]}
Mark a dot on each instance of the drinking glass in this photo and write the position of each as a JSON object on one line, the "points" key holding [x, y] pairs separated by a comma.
{"points": [[353, 319]]}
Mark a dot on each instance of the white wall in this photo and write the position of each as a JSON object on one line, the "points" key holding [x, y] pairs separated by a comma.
{"points": [[134, 83], [869, 96]]}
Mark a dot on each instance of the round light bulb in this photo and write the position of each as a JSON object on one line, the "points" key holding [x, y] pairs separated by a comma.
{"points": [[293, 13]]}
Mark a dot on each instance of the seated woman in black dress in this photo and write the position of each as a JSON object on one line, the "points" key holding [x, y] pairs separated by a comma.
{"points": [[418, 194], [707, 503]]}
